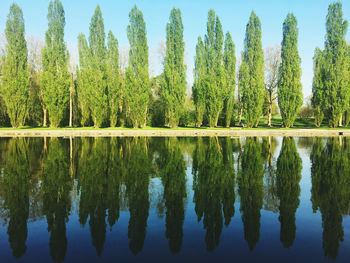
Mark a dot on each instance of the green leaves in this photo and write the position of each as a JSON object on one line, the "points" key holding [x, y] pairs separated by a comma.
{"points": [[290, 97], [252, 87], [173, 88], [55, 77], [210, 89], [114, 82], [137, 84], [331, 80], [15, 74]]}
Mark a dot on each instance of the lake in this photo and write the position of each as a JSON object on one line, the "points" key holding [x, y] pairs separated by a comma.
{"points": [[191, 199]]}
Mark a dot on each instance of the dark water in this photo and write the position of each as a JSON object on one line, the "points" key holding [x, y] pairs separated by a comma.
{"points": [[175, 200]]}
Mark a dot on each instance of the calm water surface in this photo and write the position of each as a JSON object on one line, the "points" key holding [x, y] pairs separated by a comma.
{"points": [[269, 199]]}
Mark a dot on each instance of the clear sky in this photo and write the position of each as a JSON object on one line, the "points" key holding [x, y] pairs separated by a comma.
{"points": [[233, 14]]}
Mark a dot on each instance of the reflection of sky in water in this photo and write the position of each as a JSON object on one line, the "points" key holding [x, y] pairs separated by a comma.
{"points": [[307, 246]]}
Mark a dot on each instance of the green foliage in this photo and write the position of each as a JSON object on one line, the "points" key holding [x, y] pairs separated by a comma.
{"points": [[137, 84], [173, 89], [137, 181], [289, 165], [16, 180], [172, 172], [84, 73], [97, 61], [114, 82], [330, 192], [290, 97], [15, 74], [250, 189], [199, 82], [56, 186], [331, 81], [55, 58], [213, 185], [251, 77], [318, 89], [230, 81], [210, 89]]}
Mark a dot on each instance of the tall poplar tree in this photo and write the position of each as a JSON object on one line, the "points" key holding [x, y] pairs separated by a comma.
{"points": [[173, 91], [98, 89], [209, 72], [83, 75], [331, 80], [318, 91], [137, 83], [230, 74], [114, 83], [55, 76], [199, 81], [290, 96], [253, 87], [15, 74]]}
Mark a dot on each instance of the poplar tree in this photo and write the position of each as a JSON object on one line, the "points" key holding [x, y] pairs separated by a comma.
{"points": [[173, 92], [199, 81], [137, 84], [230, 73], [55, 76], [209, 72], [113, 79], [83, 75], [15, 74], [290, 96], [98, 89], [331, 80], [318, 91], [252, 89]]}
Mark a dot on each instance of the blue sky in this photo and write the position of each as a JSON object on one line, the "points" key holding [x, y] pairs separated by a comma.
{"points": [[233, 14]]}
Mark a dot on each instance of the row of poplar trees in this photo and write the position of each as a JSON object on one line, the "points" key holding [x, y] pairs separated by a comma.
{"points": [[215, 76], [107, 96]]}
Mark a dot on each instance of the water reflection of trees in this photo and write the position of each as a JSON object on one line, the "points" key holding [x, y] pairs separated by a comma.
{"points": [[250, 189], [214, 184], [16, 185], [39, 177], [289, 165], [56, 187], [330, 193]]}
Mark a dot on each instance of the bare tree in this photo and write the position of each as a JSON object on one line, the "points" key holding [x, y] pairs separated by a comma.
{"points": [[272, 63]]}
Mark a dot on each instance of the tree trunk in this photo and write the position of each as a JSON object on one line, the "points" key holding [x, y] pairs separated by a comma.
{"points": [[240, 111], [45, 117], [270, 115], [341, 120]]}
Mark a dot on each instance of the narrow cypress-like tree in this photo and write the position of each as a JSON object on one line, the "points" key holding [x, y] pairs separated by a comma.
{"points": [[113, 79], [332, 78], [213, 42], [137, 84], [173, 91], [199, 81], [83, 75], [15, 74], [98, 89], [252, 91], [209, 72], [55, 77], [318, 91], [230, 74], [290, 96]]}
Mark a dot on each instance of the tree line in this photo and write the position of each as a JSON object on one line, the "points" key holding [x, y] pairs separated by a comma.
{"points": [[99, 92]]}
